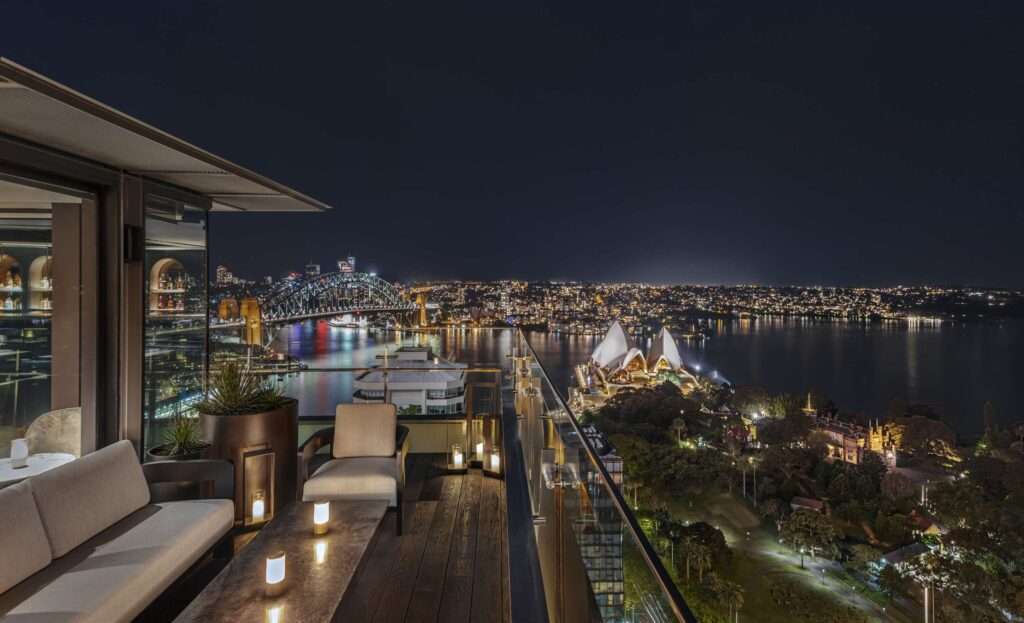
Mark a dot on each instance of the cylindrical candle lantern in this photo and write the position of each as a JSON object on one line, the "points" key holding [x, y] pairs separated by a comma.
{"points": [[321, 515], [275, 614], [19, 453], [495, 462], [480, 451], [457, 459], [259, 507], [275, 573]]}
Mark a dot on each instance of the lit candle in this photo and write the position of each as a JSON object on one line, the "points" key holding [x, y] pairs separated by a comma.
{"points": [[274, 614], [320, 551], [275, 569], [258, 507], [495, 461], [19, 453], [457, 456], [480, 450], [321, 514]]}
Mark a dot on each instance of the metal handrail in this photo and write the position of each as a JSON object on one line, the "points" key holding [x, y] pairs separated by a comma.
{"points": [[668, 587]]}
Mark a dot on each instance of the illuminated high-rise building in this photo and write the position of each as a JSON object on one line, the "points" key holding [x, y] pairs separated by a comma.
{"points": [[347, 265]]}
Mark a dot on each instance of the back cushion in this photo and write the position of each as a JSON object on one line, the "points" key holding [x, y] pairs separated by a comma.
{"points": [[364, 430], [24, 548], [80, 499]]}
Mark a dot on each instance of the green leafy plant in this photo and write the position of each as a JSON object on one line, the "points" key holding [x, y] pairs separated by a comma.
{"points": [[182, 437], [234, 390]]}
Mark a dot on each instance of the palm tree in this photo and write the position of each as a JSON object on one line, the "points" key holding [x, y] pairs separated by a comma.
{"points": [[702, 559], [679, 426], [732, 594], [687, 549]]}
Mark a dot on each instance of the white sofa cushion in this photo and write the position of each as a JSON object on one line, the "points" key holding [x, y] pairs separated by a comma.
{"points": [[116, 574], [80, 499], [363, 478], [364, 430], [24, 548]]}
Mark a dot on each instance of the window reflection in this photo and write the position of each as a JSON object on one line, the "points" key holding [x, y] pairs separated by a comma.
{"points": [[40, 289], [176, 303]]}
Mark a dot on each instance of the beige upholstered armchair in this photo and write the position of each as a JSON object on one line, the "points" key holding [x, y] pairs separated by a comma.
{"points": [[367, 459]]}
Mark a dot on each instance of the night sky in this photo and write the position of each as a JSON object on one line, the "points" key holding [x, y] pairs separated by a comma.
{"points": [[720, 142]]}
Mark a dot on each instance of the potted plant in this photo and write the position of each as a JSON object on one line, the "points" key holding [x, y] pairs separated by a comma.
{"points": [[182, 441], [242, 414]]}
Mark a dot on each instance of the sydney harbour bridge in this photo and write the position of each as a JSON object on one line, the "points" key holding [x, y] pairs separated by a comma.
{"points": [[335, 294]]}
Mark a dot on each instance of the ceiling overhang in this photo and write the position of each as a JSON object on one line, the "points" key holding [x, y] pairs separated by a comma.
{"points": [[37, 109]]}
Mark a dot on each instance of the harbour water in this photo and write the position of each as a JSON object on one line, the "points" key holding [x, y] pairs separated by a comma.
{"points": [[329, 350], [954, 368]]}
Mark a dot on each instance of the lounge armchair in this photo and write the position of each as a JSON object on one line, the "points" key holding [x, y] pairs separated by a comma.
{"points": [[88, 542], [368, 450]]}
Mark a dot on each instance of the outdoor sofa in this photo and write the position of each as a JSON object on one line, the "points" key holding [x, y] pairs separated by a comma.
{"points": [[87, 542]]}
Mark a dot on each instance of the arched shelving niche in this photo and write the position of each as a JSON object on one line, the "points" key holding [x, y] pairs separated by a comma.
{"points": [[40, 283], [167, 283], [11, 286]]}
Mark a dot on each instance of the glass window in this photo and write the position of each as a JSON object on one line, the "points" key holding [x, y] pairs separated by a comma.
{"points": [[40, 299], [175, 339]]}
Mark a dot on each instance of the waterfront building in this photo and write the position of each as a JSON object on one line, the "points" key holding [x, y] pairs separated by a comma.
{"points": [[848, 441], [347, 265], [312, 270], [617, 362], [417, 382]]}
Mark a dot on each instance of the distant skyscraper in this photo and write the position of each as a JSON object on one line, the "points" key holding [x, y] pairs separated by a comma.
{"points": [[347, 265], [224, 276]]}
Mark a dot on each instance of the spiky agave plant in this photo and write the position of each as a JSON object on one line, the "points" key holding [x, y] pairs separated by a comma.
{"points": [[233, 390], [182, 437]]}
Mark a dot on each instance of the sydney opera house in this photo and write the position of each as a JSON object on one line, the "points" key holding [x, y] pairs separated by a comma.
{"points": [[618, 362]]}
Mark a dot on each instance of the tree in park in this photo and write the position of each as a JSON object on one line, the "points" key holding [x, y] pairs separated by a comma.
{"points": [[694, 555], [896, 486], [807, 530], [715, 588], [732, 594], [679, 427]]}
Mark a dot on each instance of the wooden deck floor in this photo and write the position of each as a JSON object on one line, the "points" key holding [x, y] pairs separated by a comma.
{"points": [[451, 563]]}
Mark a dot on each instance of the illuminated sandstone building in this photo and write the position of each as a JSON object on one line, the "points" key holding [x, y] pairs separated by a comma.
{"points": [[618, 363]]}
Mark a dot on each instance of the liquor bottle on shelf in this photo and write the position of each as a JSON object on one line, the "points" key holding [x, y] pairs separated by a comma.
{"points": [[8, 303]]}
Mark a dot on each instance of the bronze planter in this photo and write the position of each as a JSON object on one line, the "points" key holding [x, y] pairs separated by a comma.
{"points": [[233, 436]]}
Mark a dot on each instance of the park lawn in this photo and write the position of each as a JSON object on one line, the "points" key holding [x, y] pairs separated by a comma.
{"points": [[757, 567]]}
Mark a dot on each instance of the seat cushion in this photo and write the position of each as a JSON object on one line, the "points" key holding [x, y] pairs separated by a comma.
{"points": [[82, 498], [363, 478], [23, 543], [116, 574], [364, 430]]}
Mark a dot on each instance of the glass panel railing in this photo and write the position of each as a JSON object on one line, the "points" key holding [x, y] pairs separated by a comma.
{"points": [[595, 561]]}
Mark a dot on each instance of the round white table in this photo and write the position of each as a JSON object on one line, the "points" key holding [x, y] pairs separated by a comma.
{"points": [[37, 464]]}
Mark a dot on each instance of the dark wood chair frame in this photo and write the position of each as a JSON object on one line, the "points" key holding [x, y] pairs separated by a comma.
{"points": [[324, 438]]}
